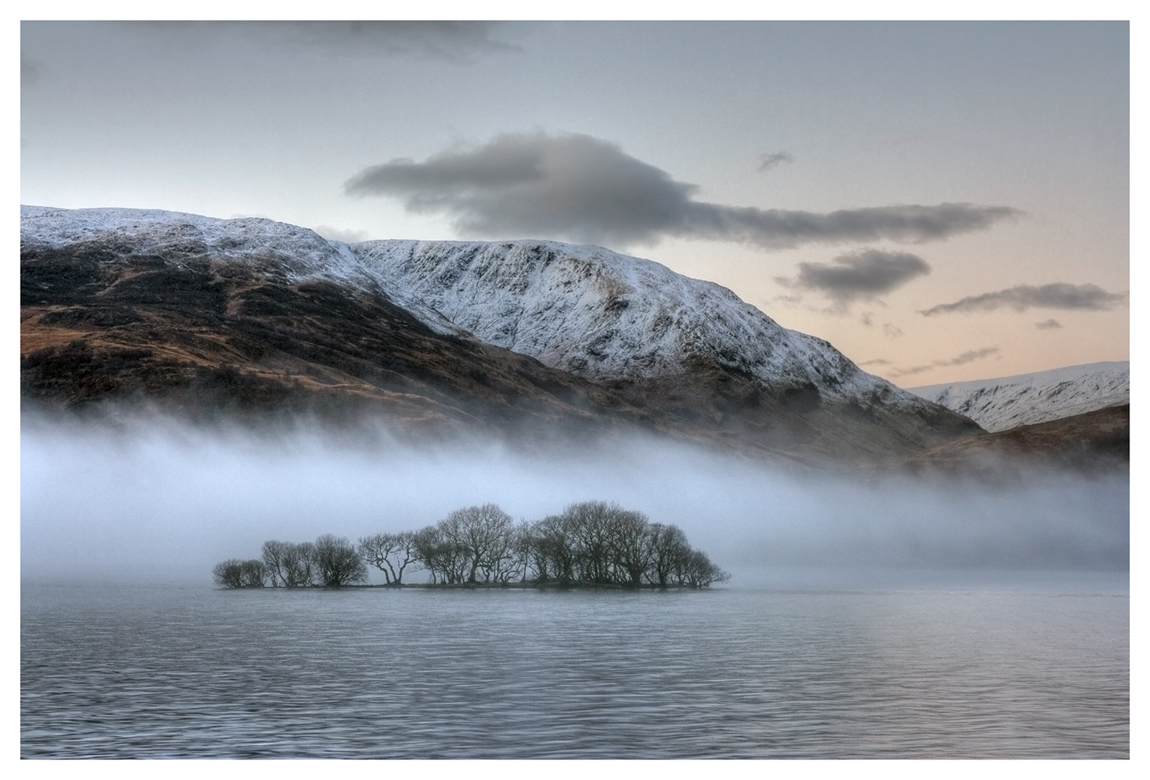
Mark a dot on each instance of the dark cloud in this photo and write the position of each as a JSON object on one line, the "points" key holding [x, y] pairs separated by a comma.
{"points": [[446, 40], [1048, 324], [1083, 297], [775, 159], [889, 329], [861, 275], [340, 234], [580, 188], [959, 360], [970, 357], [785, 298], [876, 362], [912, 370], [30, 72]]}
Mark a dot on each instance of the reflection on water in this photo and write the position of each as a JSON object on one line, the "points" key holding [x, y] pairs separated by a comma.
{"points": [[119, 672]]}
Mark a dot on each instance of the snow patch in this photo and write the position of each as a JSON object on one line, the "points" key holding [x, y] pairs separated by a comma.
{"points": [[1026, 399]]}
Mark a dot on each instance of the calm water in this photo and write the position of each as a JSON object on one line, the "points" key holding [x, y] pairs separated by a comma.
{"points": [[1032, 670]]}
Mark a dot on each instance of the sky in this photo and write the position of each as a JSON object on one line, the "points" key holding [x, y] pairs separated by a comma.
{"points": [[942, 201]]}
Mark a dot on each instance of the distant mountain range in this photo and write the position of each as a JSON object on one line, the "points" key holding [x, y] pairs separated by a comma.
{"points": [[1092, 441], [257, 320], [1027, 399]]}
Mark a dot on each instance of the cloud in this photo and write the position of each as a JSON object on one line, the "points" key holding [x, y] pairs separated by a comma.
{"points": [[445, 40], [437, 39], [1081, 297], [970, 357], [340, 234], [912, 370], [30, 72], [876, 362], [1048, 324], [579, 188], [862, 275], [784, 298], [891, 331], [775, 159], [959, 360]]}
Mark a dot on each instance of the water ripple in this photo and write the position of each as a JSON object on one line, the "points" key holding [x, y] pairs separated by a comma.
{"points": [[191, 673]]}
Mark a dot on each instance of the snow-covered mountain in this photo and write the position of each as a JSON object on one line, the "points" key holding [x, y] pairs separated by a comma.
{"points": [[582, 309], [1008, 402], [606, 316], [688, 350], [296, 252]]}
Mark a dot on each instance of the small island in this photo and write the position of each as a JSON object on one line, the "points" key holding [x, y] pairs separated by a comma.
{"points": [[590, 544]]}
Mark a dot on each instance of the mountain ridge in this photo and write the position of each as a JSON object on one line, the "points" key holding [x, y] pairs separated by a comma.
{"points": [[676, 353], [1002, 403], [371, 265], [1091, 442]]}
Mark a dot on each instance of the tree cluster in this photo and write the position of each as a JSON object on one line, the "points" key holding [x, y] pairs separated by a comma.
{"points": [[589, 544], [330, 562]]}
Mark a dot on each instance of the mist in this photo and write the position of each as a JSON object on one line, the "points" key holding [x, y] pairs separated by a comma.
{"points": [[162, 502]]}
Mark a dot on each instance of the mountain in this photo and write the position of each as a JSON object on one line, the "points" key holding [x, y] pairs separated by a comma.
{"points": [[688, 348], [1094, 441], [1008, 402], [254, 316], [250, 319]]}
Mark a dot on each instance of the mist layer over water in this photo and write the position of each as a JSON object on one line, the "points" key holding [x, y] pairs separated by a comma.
{"points": [[165, 502], [866, 618]]}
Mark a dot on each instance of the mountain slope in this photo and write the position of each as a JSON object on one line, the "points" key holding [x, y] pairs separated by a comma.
{"points": [[151, 307], [1027, 399], [1090, 442], [441, 330], [690, 347]]}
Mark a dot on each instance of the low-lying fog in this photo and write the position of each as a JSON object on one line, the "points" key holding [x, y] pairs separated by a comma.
{"points": [[163, 502]]}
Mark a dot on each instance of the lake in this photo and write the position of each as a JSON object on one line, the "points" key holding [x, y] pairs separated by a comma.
{"points": [[968, 666]]}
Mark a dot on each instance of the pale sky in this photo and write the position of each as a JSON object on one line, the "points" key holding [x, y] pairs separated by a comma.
{"points": [[942, 201]]}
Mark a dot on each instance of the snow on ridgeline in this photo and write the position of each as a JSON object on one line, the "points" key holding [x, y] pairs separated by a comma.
{"points": [[1008, 402], [298, 252], [603, 316], [582, 309]]}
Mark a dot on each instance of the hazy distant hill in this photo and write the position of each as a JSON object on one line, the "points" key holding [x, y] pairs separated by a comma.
{"points": [[1084, 442], [254, 316], [1008, 402]]}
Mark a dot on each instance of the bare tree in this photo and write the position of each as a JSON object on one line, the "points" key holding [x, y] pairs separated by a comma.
{"points": [[508, 561], [669, 550], [273, 557], [299, 565], [390, 553], [589, 526], [484, 537], [553, 552], [523, 543], [336, 562], [229, 574], [234, 573], [630, 546], [288, 565], [253, 573], [442, 558], [697, 571]]}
